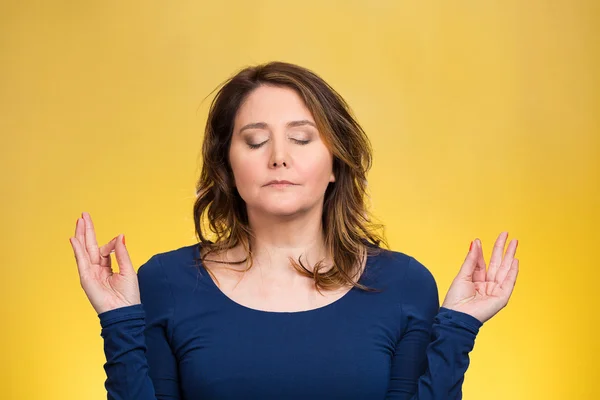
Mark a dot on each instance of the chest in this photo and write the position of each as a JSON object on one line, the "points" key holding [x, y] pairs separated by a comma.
{"points": [[272, 296], [326, 353]]}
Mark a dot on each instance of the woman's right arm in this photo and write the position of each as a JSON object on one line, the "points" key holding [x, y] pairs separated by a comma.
{"points": [[139, 361]]}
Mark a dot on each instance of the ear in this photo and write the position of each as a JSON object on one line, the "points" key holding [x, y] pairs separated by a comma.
{"points": [[332, 177]]}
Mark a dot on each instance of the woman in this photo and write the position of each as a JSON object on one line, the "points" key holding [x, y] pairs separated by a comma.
{"points": [[288, 294]]}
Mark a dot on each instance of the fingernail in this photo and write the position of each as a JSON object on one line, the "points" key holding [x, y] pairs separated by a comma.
{"points": [[123, 239], [471, 246], [478, 243]]}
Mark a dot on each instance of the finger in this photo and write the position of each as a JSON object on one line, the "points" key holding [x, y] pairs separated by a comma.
{"points": [[507, 261], [90, 239], [468, 266], [105, 252], [83, 265], [122, 255], [80, 234], [496, 258], [511, 278], [479, 273], [76, 226]]}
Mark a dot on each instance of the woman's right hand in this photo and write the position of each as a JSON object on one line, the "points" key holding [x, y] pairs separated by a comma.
{"points": [[106, 290]]}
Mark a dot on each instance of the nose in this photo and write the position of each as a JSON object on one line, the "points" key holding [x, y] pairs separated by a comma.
{"points": [[279, 156], [279, 163]]}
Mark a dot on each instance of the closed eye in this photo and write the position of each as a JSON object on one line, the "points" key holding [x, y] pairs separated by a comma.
{"points": [[256, 146], [298, 141]]}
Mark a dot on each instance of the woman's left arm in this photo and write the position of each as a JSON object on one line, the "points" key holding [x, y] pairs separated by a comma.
{"points": [[432, 354]]}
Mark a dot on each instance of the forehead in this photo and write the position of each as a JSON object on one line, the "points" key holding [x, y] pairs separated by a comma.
{"points": [[273, 105]]}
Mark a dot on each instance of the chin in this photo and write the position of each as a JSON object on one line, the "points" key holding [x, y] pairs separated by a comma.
{"points": [[281, 209]]}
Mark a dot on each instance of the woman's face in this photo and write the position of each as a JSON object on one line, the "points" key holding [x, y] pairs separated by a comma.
{"points": [[275, 139]]}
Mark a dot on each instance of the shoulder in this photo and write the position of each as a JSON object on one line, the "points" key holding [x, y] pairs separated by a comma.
{"points": [[168, 265], [410, 283], [406, 282], [415, 291], [403, 269], [162, 277]]}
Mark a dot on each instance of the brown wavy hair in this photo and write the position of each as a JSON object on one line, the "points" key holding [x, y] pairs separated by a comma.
{"points": [[220, 212]]}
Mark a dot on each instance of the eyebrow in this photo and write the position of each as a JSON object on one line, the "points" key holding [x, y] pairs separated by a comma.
{"points": [[264, 125]]}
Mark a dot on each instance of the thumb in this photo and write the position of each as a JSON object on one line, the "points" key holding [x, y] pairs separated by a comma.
{"points": [[468, 267], [122, 256]]}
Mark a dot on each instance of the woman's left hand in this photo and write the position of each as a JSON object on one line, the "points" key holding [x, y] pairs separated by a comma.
{"points": [[482, 293]]}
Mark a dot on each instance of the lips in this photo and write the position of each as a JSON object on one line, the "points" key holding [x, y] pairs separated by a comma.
{"points": [[276, 182]]}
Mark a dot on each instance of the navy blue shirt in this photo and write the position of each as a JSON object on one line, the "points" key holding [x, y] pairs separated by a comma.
{"points": [[188, 340]]}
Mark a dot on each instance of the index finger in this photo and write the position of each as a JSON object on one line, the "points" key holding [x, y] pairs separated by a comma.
{"points": [[496, 258], [480, 269]]}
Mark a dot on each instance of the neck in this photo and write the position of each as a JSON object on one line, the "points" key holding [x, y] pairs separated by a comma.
{"points": [[276, 239]]}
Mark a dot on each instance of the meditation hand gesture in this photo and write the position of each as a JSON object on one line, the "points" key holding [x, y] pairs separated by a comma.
{"points": [[106, 290], [479, 293]]}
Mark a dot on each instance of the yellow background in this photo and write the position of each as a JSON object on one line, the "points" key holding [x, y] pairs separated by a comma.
{"points": [[483, 117]]}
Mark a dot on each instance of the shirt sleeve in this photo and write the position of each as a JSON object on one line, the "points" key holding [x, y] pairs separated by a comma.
{"points": [[139, 361], [432, 354]]}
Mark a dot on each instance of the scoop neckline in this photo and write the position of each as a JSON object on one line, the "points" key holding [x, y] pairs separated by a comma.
{"points": [[234, 303]]}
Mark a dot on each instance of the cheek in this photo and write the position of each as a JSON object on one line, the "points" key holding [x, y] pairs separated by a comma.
{"points": [[244, 171], [317, 169]]}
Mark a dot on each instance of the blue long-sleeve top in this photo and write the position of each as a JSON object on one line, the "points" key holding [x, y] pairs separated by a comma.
{"points": [[188, 340]]}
